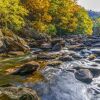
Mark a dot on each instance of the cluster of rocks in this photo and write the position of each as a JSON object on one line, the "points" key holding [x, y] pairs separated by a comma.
{"points": [[9, 42], [51, 52], [17, 93]]}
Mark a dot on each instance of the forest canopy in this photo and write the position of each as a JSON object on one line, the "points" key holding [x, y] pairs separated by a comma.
{"points": [[46, 16]]}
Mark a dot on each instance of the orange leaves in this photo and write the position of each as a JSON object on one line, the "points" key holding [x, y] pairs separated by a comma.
{"points": [[37, 6], [46, 18]]}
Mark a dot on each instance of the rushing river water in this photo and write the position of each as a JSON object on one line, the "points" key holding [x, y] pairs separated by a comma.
{"points": [[61, 84]]}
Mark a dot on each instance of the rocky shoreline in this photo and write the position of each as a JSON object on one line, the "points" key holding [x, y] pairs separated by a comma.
{"points": [[48, 54]]}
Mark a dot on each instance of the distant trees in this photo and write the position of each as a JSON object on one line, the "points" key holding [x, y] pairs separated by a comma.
{"points": [[12, 14], [93, 14], [97, 22]]}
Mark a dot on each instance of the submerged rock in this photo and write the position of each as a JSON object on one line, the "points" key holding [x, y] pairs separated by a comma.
{"points": [[84, 75], [27, 69]]}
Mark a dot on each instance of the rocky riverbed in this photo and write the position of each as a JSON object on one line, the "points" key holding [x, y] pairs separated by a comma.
{"points": [[63, 69]]}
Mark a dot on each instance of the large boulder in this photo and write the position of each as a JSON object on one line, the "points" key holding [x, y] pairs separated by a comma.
{"points": [[26, 69], [94, 69], [84, 75], [11, 42], [15, 93]]}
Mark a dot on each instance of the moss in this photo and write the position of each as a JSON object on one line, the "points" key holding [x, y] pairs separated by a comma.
{"points": [[36, 77]]}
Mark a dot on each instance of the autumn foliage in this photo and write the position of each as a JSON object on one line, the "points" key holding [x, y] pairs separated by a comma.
{"points": [[47, 16], [12, 14]]}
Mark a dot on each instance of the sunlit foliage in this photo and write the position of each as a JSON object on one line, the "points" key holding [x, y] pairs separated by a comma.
{"points": [[46, 16], [12, 14], [85, 24]]}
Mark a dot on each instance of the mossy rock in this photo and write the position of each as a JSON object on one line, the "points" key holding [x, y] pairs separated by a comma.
{"points": [[15, 93]]}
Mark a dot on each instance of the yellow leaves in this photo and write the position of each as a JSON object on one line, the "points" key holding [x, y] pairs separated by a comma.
{"points": [[46, 18], [12, 13], [37, 5], [64, 15], [39, 26], [85, 24], [39, 11]]}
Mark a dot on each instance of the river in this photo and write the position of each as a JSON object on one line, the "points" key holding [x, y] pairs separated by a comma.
{"points": [[59, 83]]}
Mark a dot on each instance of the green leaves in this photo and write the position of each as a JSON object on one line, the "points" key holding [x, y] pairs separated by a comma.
{"points": [[12, 14]]}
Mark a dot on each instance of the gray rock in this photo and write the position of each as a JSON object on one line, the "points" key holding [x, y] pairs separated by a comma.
{"points": [[57, 47], [11, 42], [84, 75]]}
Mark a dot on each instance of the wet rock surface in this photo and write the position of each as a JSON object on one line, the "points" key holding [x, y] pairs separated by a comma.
{"points": [[84, 75], [66, 58], [11, 42], [15, 93], [27, 69], [67, 70], [56, 47]]}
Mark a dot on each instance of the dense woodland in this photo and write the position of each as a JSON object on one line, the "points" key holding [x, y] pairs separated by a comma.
{"points": [[50, 17]]}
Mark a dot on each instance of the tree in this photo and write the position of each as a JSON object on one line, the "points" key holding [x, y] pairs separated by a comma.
{"points": [[38, 14], [61, 15], [63, 12], [70, 17], [12, 14], [85, 23]]}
